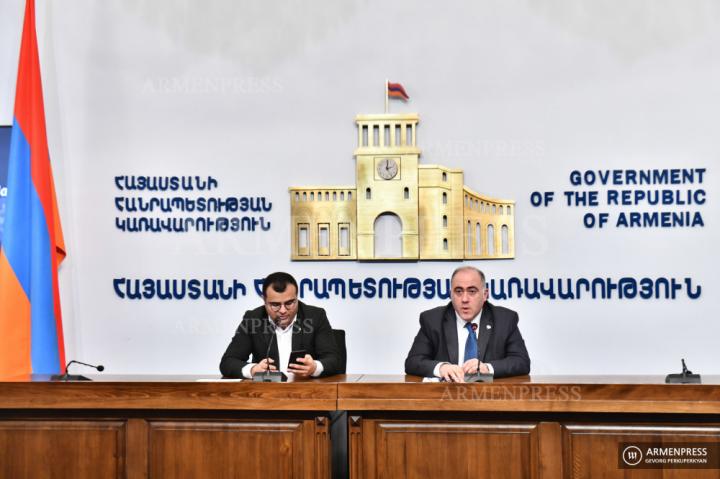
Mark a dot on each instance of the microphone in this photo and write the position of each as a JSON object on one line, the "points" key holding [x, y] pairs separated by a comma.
{"points": [[75, 377], [267, 352], [685, 377], [478, 377], [685, 370], [268, 376]]}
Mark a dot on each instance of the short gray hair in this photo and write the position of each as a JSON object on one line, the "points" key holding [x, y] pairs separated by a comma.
{"points": [[469, 268]]}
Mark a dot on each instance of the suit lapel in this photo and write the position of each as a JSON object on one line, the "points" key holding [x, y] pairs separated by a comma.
{"points": [[451, 337], [485, 330]]}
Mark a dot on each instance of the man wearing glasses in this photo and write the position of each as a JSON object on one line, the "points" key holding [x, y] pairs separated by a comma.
{"points": [[468, 336], [283, 324]]}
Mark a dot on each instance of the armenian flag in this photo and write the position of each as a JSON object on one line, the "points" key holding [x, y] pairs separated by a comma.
{"points": [[396, 90], [31, 333]]}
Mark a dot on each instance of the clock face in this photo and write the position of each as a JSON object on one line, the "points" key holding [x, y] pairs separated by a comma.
{"points": [[387, 168]]}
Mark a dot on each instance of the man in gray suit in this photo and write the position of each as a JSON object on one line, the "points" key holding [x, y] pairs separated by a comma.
{"points": [[469, 335]]}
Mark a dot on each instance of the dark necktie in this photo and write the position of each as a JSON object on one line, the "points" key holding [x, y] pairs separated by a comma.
{"points": [[471, 343]]}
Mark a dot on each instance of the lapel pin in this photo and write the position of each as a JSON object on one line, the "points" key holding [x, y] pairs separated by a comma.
{"points": [[489, 326]]}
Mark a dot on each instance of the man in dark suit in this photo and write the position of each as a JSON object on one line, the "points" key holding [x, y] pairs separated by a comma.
{"points": [[469, 335], [295, 325]]}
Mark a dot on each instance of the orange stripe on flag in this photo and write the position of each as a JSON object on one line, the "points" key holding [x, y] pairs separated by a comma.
{"points": [[14, 323]]}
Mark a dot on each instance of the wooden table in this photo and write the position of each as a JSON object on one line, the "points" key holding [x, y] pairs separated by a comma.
{"points": [[165, 427], [541, 427], [556, 427]]}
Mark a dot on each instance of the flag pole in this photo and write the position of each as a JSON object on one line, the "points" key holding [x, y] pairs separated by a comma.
{"points": [[386, 95]]}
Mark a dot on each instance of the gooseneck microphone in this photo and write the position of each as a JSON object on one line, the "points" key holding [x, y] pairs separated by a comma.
{"points": [[478, 377], [685, 370], [268, 376], [685, 377], [75, 377], [99, 367], [267, 352]]}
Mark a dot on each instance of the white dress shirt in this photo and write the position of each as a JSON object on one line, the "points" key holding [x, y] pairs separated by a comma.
{"points": [[462, 334], [284, 344]]}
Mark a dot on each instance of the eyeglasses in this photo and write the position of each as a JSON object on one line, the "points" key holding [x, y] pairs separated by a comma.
{"points": [[277, 306]]}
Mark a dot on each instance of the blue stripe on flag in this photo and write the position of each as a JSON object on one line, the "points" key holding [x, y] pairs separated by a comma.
{"points": [[16, 237], [26, 242]]}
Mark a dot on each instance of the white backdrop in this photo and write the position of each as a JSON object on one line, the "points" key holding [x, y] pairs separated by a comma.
{"points": [[262, 96]]}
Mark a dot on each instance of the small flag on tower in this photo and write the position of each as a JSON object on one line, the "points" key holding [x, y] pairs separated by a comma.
{"points": [[396, 90]]}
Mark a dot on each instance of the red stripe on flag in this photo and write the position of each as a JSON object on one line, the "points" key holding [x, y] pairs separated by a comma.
{"points": [[396, 90]]}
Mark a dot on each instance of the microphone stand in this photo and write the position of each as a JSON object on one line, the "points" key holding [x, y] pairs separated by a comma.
{"points": [[478, 377], [685, 377], [75, 377], [268, 376]]}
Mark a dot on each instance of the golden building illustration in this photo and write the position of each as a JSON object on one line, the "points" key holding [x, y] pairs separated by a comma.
{"points": [[398, 209]]}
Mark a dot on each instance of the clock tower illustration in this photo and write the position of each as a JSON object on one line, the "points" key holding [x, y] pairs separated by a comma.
{"points": [[399, 209]]}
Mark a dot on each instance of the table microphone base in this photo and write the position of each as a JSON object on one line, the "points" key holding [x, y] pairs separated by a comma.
{"points": [[69, 377], [269, 377], [682, 379], [478, 378]]}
